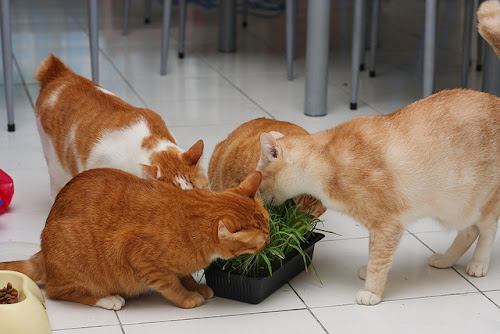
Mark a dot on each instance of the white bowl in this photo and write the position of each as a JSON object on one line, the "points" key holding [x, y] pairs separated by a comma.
{"points": [[28, 315]]}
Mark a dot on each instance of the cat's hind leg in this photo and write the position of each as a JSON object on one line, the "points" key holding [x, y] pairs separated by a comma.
{"points": [[190, 283], [79, 295], [479, 264], [384, 241], [460, 245]]}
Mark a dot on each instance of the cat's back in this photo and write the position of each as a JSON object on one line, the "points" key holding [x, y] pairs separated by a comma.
{"points": [[237, 156]]}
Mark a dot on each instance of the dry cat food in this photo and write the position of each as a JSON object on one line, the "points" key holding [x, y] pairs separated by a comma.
{"points": [[8, 295]]}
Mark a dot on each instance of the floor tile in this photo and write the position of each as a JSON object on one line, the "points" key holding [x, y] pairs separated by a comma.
{"points": [[155, 308], [467, 313], [337, 263], [276, 322], [441, 241], [92, 330], [494, 296]]}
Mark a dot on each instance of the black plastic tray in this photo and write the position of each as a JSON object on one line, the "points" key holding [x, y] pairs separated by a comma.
{"points": [[253, 290]]}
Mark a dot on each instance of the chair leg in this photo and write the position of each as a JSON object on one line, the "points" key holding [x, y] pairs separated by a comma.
{"points": [[94, 40], [291, 28], [167, 8], [364, 26], [480, 48], [126, 14], [357, 48], [429, 46], [466, 40], [374, 35], [147, 11], [8, 63], [244, 13], [182, 27]]}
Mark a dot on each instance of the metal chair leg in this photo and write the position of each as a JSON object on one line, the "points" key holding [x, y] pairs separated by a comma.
{"points": [[182, 26], [374, 35], [126, 14], [94, 40], [291, 28], [244, 13], [147, 11], [167, 8], [466, 40], [8, 64], [357, 49], [429, 46]]}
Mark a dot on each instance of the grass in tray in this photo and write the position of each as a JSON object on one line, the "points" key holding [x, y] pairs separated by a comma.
{"points": [[289, 230]]}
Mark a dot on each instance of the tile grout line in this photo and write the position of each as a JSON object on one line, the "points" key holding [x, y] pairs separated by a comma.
{"points": [[236, 87], [120, 322], [308, 309], [458, 272]]}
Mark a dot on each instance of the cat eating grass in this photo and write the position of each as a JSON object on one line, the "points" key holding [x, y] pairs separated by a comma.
{"points": [[239, 154], [438, 157], [111, 235], [84, 126]]}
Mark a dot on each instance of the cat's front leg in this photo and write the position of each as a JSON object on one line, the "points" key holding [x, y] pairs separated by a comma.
{"points": [[190, 283], [170, 286], [384, 240]]}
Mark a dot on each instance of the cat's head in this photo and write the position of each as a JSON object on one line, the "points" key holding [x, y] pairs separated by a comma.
{"points": [[279, 170], [178, 168], [242, 226]]}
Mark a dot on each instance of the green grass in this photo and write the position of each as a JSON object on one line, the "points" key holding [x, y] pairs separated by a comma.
{"points": [[289, 230]]}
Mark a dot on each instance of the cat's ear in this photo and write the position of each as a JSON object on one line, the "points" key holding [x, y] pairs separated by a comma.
{"points": [[250, 185], [276, 134], [269, 148], [193, 155], [227, 227], [151, 172]]}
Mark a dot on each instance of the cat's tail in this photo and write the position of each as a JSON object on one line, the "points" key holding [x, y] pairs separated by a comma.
{"points": [[49, 69], [34, 268], [489, 23]]}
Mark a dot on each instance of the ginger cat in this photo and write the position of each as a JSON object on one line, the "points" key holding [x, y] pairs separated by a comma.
{"points": [[239, 154], [111, 235], [437, 157], [84, 126]]}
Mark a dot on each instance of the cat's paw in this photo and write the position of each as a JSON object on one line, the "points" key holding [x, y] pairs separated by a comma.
{"points": [[193, 299], [477, 269], [440, 261], [205, 291], [365, 297], [362, 272], [115, 302]]}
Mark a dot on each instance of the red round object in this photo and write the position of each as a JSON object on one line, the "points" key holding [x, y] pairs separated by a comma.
{"points": [[6, 190]]}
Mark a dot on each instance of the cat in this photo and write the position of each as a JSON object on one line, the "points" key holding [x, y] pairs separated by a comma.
{"points": [[239, 154], [111, 235], [437, 157], [84, 126]]}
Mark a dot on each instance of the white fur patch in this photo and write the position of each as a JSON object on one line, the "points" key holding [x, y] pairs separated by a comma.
{"points": [[51, 101], [115, 302], [121, 149], [58, 175], [181, 182], [105, 91]]}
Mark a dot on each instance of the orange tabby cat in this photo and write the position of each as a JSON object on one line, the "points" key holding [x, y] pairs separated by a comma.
{"points": [[111, 235], [437, 157], [84, 126], [239, 154]]}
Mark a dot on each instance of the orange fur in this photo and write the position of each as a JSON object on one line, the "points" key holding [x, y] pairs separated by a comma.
{"points": [[239, 154], [75, 116], [112, 233]]}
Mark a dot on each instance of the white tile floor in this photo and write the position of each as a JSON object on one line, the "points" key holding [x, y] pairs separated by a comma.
{"points": [[206, 95]]}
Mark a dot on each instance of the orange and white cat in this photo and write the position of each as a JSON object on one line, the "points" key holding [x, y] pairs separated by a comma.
{"points": [[111, 235], [437, 157], [84, 126], [239, 154]]}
